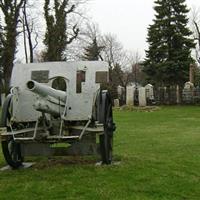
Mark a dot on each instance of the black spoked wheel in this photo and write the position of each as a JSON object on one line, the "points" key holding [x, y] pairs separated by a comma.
{"points": [[106, 139], [11, 149]]}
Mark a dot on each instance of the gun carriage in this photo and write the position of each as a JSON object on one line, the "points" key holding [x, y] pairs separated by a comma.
{"points": [[57, 103]]}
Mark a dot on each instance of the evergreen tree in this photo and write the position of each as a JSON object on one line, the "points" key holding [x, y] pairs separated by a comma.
{"points": [[56, 37], [92, 52], [169, 54]]}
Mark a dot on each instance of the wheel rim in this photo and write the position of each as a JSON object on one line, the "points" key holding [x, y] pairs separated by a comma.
{"points": [[11, 149], [106, 140]]}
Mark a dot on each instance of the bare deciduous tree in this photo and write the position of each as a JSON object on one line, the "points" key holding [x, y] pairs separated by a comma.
{"points": [[29, 31], [59, 33], [196, 31], [30, 34], [113, 52], [11, 10]]}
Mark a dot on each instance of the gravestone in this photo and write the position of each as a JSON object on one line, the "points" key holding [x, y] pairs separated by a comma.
{"points": [[149, 94], [116, 102], [142, 97], [119, 90], [129, 95], [121, 95], [188, 91]]}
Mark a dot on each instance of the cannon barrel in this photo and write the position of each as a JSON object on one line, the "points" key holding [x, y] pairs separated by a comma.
{"points": [[44, 90]]}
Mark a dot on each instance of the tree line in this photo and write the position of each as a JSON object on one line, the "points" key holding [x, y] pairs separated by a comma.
{"points": [[64, 38], [167, 58]]}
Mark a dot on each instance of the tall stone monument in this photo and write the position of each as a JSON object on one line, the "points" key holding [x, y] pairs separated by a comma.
{"points": [[129, 95], [142, 97], [192, 72]]}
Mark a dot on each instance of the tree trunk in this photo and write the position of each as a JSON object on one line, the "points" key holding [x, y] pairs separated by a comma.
{"points": [[8, 58]]}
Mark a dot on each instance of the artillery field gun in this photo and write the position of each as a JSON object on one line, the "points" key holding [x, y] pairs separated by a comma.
{"points": [[57, 103]]}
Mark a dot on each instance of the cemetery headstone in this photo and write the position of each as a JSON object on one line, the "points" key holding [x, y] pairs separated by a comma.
{"points": [[149, 94], [188, 91], [142, 97], [116, 102], [129, 95], [121, 95]]}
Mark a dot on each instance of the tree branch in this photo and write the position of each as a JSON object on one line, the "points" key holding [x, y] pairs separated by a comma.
{"points": [[71, 9], [76, 32]]}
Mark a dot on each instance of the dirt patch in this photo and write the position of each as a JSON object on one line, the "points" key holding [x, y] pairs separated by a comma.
{"points": [[52, 162]]}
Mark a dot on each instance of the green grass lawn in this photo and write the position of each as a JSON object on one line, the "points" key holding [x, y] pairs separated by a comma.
{"points": [[160, 159]]}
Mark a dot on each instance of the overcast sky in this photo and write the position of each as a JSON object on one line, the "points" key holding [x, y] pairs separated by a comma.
{"points": [[128, 19]]}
